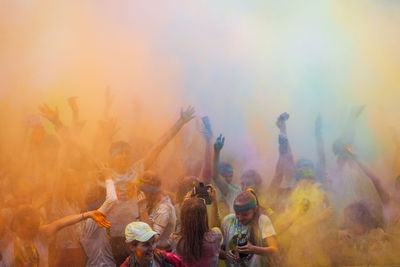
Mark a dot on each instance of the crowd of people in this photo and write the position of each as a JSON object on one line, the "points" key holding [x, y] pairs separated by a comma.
{"points": [[66, 205]]}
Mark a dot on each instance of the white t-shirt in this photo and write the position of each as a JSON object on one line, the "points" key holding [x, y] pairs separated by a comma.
{"points": [[94, 239], [230, 227], [163, 218], [125, 209]]}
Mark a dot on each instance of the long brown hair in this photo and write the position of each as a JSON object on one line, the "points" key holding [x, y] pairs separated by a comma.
{"points": [[194, 224], [246, 197], [150, 178]]}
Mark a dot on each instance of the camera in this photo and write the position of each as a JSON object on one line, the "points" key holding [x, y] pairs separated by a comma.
{"points": [[242, 241], [202, 191]]}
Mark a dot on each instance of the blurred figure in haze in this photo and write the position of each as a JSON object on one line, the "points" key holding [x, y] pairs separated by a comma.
{"points": [[362, 241], [302, 207], [68, 200], [223, 179], [156, 207], [31, 241], [95, 239], [123, 172]]}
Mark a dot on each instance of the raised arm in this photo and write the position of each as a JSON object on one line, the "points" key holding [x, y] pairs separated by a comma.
{"points": [[278, 176], [285, 165], [52, 115], [375, 180], [219, 181], [76, 123], [186, 116], [70, 140], [52, 228], [214, 216], [90, 227], [371, 175], [206, 169]]}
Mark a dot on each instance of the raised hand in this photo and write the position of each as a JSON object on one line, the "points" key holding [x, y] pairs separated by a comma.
{"points": [[187, 115], [349, 149], [78, 125], [99, 218], [281, 121], [219, 143], [73, 105], [206, 129], [50, 114]]}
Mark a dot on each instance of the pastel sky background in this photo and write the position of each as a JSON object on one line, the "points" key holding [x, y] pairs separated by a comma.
{"points": [[241, 63]]}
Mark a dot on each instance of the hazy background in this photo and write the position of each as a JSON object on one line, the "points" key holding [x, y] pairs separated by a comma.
{"points": [[241, 63]]}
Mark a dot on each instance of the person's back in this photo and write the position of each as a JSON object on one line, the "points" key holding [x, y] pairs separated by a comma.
{"points": [[210, 248], [196, 244], [163, 218]]}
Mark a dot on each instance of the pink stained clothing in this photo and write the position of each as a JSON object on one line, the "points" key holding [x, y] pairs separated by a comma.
{"points": [[210, 248]]}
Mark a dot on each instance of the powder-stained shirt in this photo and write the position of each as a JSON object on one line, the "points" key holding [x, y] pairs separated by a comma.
{"points": [[163, 218], [94, 239], [125, 209], [230, 226]]}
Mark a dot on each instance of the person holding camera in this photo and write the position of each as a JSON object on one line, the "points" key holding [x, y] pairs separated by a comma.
{"points": [[196, 243], [249, 236]]}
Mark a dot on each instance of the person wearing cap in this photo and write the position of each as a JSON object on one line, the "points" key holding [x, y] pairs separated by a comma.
{"points": [[156, 207], [124, 172], [142, 240], [249, 236]]}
